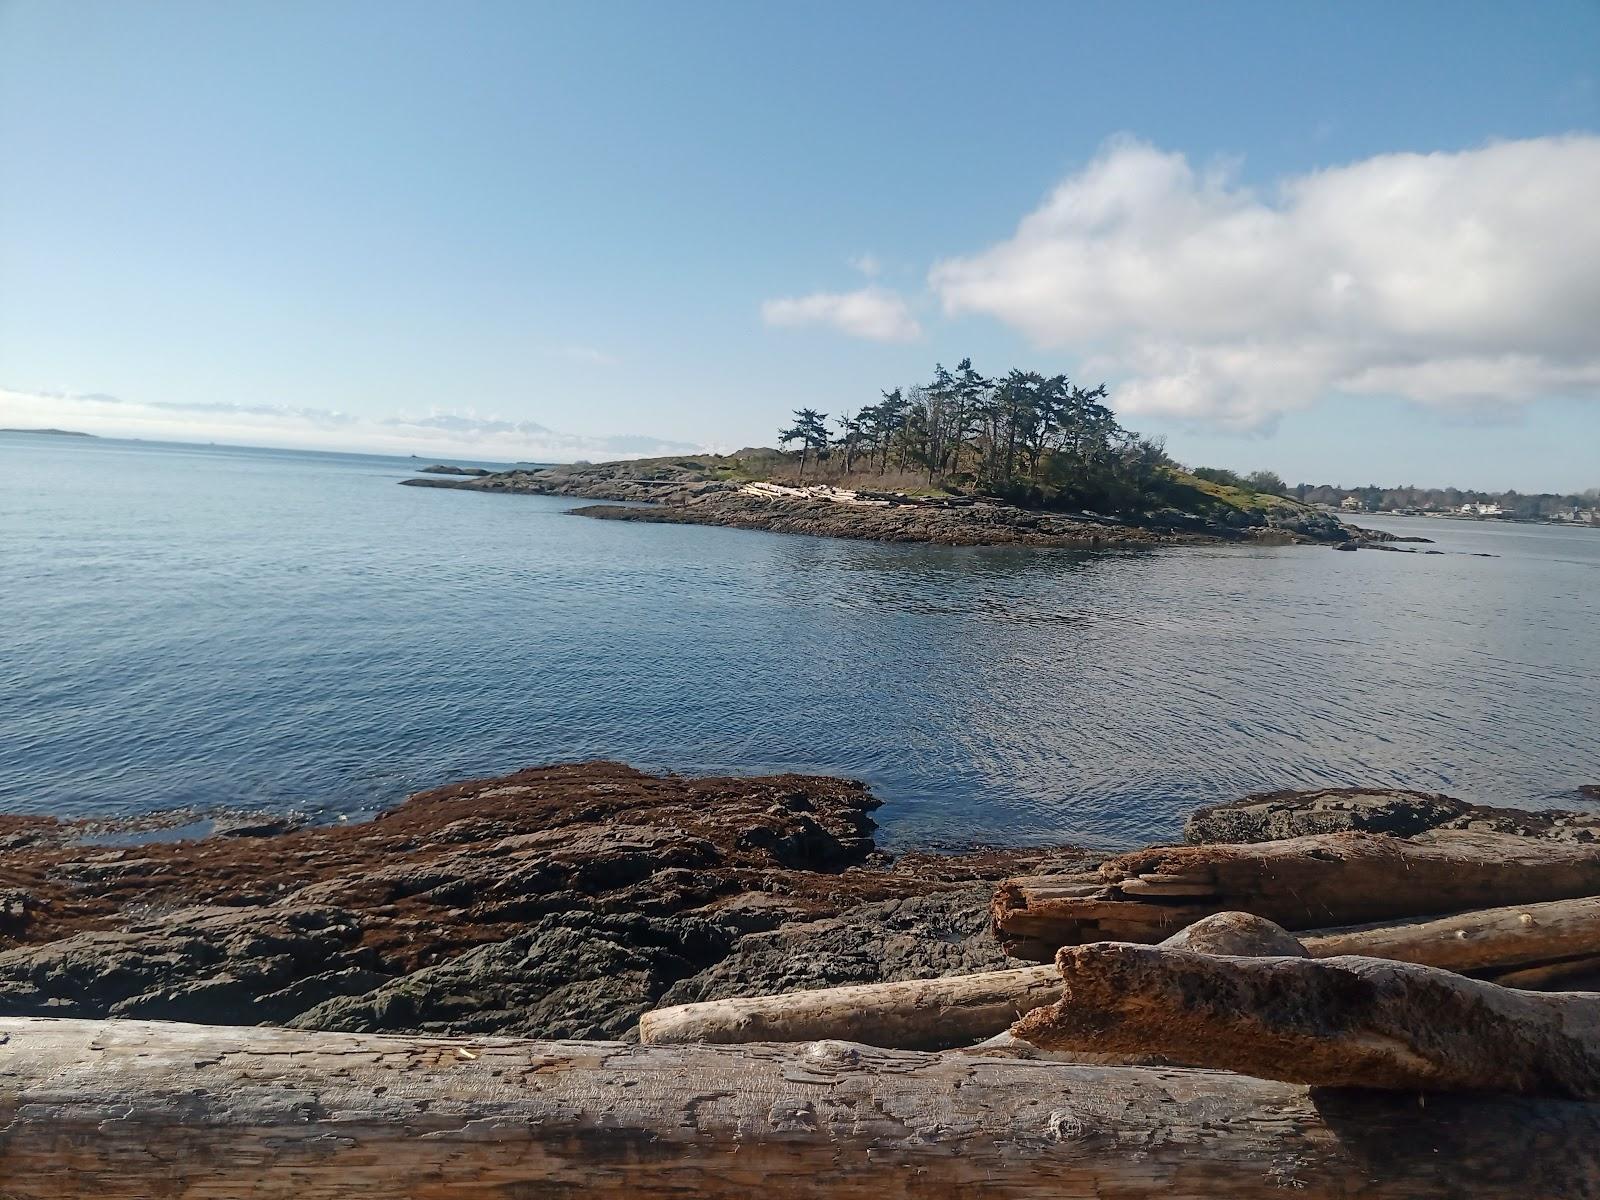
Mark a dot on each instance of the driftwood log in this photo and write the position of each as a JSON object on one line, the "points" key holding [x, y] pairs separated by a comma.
{"points": [[920, 1014], [1300, 883], [936, 1013], [1492, 940], [914, 1014], [145, 1111], [1340, 1022]]}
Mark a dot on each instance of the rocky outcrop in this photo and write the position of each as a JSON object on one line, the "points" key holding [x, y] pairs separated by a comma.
{"points": [[664, 480], [915, 937], [712, 490], [443, 469], [559, 901], [979, 524], [1273, 816]]}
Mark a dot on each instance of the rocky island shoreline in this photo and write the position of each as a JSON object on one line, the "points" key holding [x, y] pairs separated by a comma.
{"points": [[561, 901], [733, 491]]}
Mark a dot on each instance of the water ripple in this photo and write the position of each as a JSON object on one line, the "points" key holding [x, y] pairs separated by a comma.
{"points": [[294, 631]]}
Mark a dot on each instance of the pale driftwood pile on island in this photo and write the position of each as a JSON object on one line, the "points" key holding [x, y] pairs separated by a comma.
{"points": [[1332, 1015]]}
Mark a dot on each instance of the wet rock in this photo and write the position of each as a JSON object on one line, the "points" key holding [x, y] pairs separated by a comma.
{"points": [[1274, 815], [576, 975], [214, 965], [913, 938], [254, 825], [559, 901], [16, 906]]}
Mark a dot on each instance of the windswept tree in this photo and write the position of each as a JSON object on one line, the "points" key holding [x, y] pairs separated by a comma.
{"points": [[849, 437], [891, 425], [810, 429], [1027, 437]]}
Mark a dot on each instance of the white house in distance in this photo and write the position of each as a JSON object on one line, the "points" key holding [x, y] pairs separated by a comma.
{"points": [[1481, 510]]}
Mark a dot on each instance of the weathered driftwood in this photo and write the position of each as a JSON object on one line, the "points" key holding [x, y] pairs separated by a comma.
{"points": [[953, 1011], [914, 1014], [1341, 1022], [919, 1014], [1301, 883], [144, 1111], [1493, 939]]}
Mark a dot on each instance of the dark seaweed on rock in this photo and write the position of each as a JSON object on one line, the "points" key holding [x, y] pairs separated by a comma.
{"points": [[559, 901]]}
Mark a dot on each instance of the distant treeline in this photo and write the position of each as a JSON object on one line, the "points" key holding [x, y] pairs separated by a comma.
{"points": [[1029, 437], [1372, 498], [1398, 499]]}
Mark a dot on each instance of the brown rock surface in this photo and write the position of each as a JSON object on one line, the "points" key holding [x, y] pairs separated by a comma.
{"points": [[558, 901]]}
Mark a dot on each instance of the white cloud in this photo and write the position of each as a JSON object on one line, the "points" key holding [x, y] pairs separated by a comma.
{"points": [[868, 264], [1447, 279], [872, 312], [437, 434]]}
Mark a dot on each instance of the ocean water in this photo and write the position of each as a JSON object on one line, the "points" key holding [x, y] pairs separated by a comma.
{"points": [[184, 625]]}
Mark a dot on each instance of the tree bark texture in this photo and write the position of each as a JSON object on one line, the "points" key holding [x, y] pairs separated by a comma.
{"points": [[1338, 1022]]}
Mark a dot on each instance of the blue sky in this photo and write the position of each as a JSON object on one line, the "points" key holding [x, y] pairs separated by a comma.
{"points": [[679, 221]]}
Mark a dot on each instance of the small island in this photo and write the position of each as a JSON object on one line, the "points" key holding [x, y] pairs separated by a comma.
{"points": [[73, 433], [964, 460]]}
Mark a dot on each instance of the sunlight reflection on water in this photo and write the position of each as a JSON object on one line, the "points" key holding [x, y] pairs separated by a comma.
{"points": [[193, 626]]}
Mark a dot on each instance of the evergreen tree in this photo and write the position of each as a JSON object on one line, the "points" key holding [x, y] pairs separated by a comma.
{"points": [[810, 429]]}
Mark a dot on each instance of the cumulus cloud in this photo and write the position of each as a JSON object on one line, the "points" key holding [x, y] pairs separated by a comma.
{"points": [[872, 312], [868, 264], [436, 434], [1452, 279]]}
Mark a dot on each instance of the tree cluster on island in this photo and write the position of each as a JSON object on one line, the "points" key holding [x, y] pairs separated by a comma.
{"points": [[1029, 438]]}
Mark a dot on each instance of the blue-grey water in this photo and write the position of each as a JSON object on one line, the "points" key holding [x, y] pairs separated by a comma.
{"points": [[207, 626]]}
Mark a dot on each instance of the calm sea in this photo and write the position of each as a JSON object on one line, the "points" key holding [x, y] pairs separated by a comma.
{"points": [[186, 625]]}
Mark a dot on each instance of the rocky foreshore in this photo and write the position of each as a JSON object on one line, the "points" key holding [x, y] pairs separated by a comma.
{"points": [[560, 901], [698, 492]]}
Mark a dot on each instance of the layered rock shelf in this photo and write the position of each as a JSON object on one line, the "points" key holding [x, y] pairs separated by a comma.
{"points": [[560, 901], [565, 901]]}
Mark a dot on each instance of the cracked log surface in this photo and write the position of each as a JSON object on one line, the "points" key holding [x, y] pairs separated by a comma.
{"points": [[135, 1110], [1338, 1022]]}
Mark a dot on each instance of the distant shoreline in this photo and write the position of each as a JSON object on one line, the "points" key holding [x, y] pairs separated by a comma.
{"points": [[52, 432]]}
